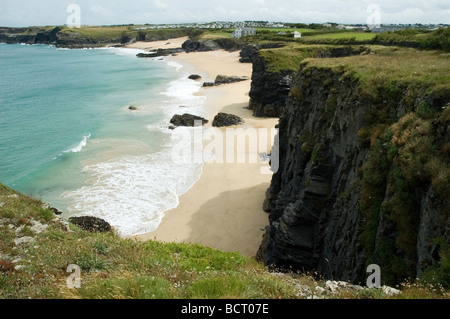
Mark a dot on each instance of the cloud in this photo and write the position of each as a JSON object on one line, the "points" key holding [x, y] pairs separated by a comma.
{"points": [[101, 10], [160, 5], [259, 2]]}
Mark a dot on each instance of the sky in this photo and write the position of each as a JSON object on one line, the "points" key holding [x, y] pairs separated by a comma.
{"points": [[20, 13]]}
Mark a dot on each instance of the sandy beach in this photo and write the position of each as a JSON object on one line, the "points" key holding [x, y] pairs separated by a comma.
{"points": [[223, 209], [154, 45]]}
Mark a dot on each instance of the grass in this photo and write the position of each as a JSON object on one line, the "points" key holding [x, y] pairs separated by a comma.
{"points": [[285, 58], [289, 57], [399, 67], [99, 33], [357, 36]]}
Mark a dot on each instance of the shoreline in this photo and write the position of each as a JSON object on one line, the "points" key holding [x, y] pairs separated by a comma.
{"points": [[223, 209]]}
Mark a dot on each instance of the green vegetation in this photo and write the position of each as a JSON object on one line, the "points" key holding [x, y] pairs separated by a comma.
{"points": [[355, 36], [391, 70], [290, 57], [286, 58], [436, 40], [122, 34]]}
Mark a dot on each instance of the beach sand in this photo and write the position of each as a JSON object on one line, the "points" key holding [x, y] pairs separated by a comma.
{"points": [[154, 45], [223, 210]]}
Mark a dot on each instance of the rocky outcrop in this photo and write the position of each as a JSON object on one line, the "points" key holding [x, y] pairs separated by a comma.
{"points": [[225, 79], [318, 221], [224, 119], [187, 120], [249, 53], [269, 91], [31, 35], [195, 45], [160, 53], [91, 224]]}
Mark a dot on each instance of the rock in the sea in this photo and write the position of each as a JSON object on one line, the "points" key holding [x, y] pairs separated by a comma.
{"points": [[160, 53], [132, 108], [91, 224], [224, 119], [194, 77], [187, 120]]}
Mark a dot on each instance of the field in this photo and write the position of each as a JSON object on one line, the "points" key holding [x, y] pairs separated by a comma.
{"points": [[358, 36]]}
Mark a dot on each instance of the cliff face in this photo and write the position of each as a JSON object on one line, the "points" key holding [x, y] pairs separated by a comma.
{"points": [[269, 90], [327, 213]]}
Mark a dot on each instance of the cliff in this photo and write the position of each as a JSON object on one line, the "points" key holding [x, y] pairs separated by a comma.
{"points": [[363, 170], [274, 68], [86, 36]]}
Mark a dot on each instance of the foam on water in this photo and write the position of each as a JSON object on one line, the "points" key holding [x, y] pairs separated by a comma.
{"points": [[133, 192]]}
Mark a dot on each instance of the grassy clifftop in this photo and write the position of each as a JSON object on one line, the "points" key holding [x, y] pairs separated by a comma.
{"points": [[36, 248]]}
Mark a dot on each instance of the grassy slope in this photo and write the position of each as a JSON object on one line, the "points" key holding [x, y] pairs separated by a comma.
{"points": [[389, 65], [112, 267], [358, 36]]}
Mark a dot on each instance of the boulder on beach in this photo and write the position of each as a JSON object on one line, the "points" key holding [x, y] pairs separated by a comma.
{"points": [[91, 224], [225, 79], [224, 119], [187, 120], [194, 77]]}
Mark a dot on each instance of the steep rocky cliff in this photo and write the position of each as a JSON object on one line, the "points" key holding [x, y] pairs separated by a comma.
{"points": [[363, 175], [274, 69], [269, 90]]}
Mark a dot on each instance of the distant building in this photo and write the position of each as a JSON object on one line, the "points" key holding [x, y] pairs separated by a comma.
{"points": [[242, 32], [297, 35]]}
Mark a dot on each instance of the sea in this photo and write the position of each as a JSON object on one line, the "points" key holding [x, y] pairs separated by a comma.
{"points": [[68, 137]]}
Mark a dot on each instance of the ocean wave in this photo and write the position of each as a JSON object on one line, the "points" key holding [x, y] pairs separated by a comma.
{"points": [[175, 65], [181, 92], [124, 51], [80, 146]]}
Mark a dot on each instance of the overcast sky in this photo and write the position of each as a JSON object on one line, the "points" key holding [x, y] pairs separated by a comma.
{"points": [[106, 12]]}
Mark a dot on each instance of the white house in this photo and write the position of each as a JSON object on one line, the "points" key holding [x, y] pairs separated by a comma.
{"points": [[297, 35], [242, 32]]}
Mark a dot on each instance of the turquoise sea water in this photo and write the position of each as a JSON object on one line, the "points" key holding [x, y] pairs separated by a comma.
{"points": [[68, 137]]}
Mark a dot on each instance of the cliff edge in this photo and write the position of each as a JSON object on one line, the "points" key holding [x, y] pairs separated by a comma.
{"points": [[364, 174]]}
